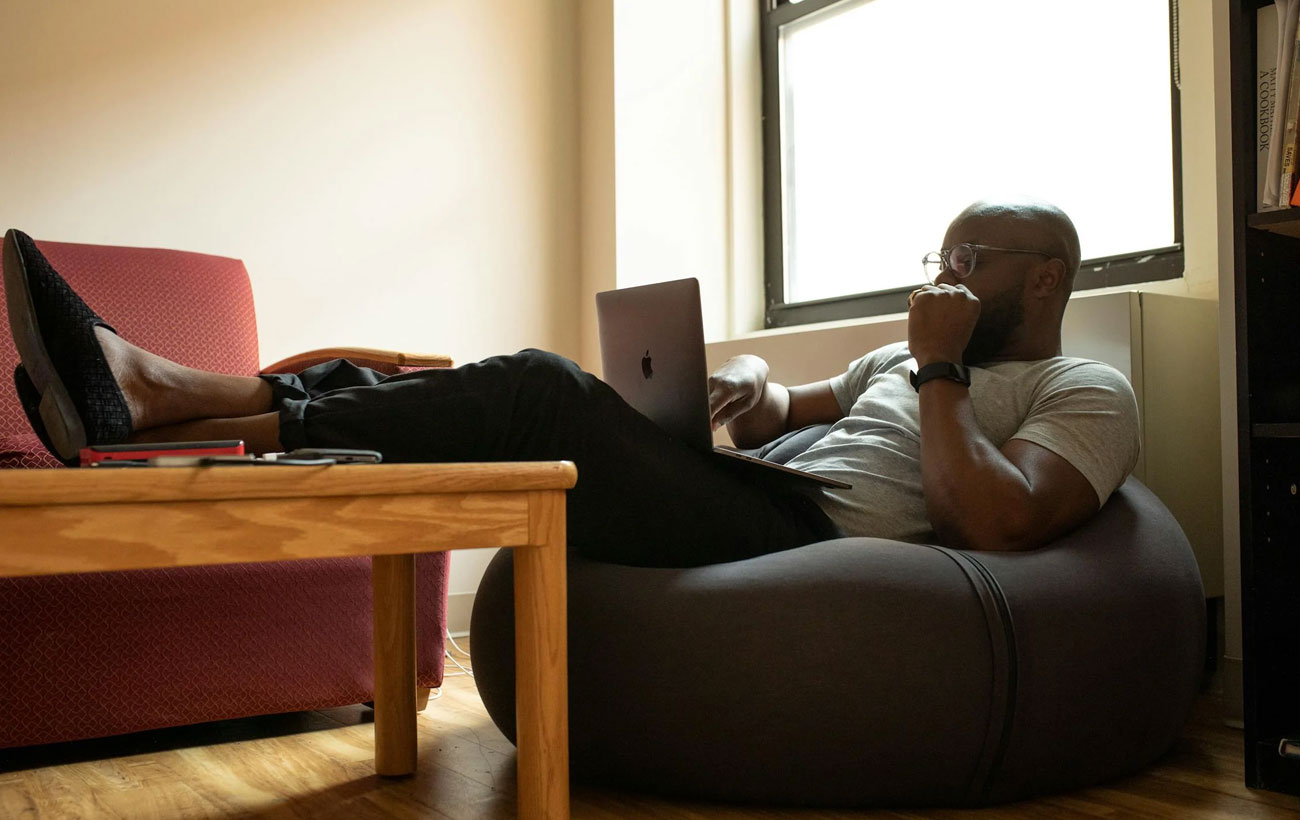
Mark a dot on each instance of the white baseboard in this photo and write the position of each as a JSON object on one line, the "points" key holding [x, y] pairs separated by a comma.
{"points": [[459, 607]]}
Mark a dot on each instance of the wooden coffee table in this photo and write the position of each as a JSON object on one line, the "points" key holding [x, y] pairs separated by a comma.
{"points": [[94, 520]]}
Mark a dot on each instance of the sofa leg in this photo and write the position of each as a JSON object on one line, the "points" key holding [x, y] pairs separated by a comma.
{"points": [[421, 698]]}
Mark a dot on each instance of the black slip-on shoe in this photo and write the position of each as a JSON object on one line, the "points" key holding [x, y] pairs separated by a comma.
{"points": [[54, 330]]}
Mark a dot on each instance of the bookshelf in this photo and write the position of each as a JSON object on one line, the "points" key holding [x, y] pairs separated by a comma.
{"points": [[1267, 283], [1285, 222]]}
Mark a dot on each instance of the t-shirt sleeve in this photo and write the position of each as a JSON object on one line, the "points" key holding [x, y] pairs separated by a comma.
{"points": [[1087, 414], [850, 384]]}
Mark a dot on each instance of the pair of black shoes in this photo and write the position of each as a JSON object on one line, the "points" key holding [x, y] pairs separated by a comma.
{"points": [[64, 382]]}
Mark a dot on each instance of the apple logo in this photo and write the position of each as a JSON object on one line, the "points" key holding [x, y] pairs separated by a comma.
{"points": [[646, 369]]}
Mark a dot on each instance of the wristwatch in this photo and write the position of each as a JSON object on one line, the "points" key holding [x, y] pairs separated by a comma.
{"points": [[959, 373]]}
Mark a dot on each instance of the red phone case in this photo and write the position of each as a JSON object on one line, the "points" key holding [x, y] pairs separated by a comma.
{"points": [[144, 452]]}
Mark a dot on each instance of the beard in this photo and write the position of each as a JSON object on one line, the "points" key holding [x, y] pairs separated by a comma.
{"points": [[1000, 318]]}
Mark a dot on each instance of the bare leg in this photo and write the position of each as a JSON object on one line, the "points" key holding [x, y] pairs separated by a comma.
{"points": [[260, 433]]}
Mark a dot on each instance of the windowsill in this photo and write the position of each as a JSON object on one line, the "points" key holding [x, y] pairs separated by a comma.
{"points": [[813, 327], [1177, 286]]}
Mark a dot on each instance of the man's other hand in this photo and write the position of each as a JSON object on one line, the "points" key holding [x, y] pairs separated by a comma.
{"points": [[940, 321], [735, 388]]}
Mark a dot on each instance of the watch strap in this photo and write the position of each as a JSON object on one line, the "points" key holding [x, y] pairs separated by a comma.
{"points": [[952, 371]]}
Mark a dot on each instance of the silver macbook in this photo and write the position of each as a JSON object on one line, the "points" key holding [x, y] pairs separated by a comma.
{"points": [[652, 349]]}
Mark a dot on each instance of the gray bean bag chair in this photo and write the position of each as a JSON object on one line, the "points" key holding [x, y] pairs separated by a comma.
{"points": [[865, 672]]}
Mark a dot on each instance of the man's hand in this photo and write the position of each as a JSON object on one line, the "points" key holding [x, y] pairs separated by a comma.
{"points": [[940, 321], [735, 388]]}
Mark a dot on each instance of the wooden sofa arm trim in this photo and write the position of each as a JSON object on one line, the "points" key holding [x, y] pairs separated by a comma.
{"points": [[303, 360]]}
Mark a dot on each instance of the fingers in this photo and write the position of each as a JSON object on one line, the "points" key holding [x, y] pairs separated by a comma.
{"points": [[937, 289], [728, 406], [727, 413], [941, 287], [719, 397], [724, 392], [722, 402]]}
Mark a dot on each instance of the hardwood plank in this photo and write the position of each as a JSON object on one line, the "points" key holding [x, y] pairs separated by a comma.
{"points": [[96, 486], [95, 537]]}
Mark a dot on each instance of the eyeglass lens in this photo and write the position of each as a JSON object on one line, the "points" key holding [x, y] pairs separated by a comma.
{"points": [[961, 258]]}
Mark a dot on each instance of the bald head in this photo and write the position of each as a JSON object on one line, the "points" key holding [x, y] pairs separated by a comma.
{"points": [[1022, 297], [1029, 223]]}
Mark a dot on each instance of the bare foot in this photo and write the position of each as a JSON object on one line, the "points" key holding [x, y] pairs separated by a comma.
{"points": [[123, 363], [161, 392]]}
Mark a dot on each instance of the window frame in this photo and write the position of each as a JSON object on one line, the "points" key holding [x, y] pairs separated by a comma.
{"points": [[1149, 265]]}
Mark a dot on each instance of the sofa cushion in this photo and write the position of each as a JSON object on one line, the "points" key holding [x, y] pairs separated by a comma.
{"points": [[25, 450]]}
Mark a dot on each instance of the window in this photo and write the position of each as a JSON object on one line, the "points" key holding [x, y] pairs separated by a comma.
{"points": [[884, 118]]}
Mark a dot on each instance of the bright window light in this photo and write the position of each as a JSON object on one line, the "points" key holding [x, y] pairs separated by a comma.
{"points": [[896, 114]]}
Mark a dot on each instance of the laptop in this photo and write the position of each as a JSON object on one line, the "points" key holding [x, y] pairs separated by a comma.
{"points": [[652, 349]]}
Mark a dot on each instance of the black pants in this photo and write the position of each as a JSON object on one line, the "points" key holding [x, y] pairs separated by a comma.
{"points": [[642, 497]]}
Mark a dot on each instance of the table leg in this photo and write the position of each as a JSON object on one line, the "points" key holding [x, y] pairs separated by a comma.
{"points": [[541, 663], [393, 585]]}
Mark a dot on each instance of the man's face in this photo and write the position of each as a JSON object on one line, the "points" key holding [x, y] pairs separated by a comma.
{"points": [[1001, 316], [998, 281]]}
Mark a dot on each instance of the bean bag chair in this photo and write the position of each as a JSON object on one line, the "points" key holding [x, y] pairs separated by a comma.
{"points": [[863, 672]]}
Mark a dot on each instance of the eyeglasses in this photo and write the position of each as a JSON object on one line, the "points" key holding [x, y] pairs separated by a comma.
{"points": [[960, 259]]}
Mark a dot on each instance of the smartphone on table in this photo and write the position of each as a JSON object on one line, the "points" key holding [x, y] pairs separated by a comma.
{"points": [[101, 453]]}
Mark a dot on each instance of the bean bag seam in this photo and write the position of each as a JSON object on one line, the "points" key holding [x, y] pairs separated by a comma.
{"points": [[997, 612]]}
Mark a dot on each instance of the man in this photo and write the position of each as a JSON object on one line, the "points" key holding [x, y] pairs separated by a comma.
{"points": [[1026, 451], [1030, 448]]}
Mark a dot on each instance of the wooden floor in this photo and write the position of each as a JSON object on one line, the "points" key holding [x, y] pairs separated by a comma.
{"points": [[320, 765]]}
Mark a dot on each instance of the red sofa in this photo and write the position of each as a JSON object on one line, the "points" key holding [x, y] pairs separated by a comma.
{"points": [[100, 654]]}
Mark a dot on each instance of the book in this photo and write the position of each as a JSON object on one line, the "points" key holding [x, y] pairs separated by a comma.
{"points": [[1286, 183], [1288, 12], [1265, 93]]}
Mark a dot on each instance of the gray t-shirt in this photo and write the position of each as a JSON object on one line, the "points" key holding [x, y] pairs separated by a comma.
{"points": [[1084, 411]]}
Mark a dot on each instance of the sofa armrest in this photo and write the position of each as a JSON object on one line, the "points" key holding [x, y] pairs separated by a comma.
{"points": [[385, 361]]}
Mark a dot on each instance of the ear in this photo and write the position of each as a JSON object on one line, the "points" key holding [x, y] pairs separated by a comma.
{"points": [[1048, 278]]}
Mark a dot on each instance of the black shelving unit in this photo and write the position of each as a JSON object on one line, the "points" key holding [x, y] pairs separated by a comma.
{"points": [[1267, 268]]}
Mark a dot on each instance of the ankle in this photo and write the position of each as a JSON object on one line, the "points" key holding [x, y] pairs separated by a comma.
{"points": [[117, 353], [160, 392], [154, 388]]}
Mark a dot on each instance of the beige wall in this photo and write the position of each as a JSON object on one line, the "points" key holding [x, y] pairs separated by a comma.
{"points": [[670, 147], [397, 174], [394, 174], [1222, 95], [597, 180]]}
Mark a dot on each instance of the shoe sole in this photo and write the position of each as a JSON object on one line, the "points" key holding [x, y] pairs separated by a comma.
{"points": [[62, 421], [30, 398]]}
